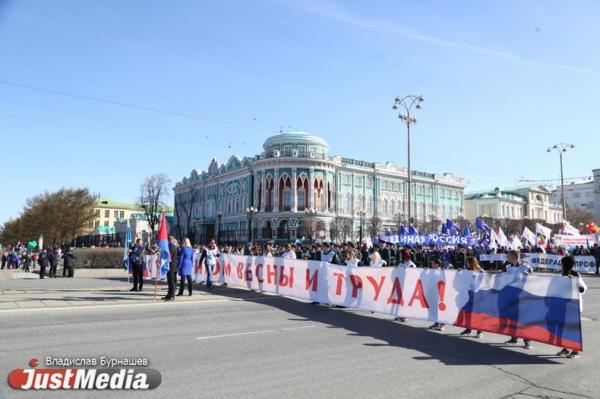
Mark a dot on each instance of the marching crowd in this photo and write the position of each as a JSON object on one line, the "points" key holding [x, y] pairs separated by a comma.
{"points": [[351, 255]]}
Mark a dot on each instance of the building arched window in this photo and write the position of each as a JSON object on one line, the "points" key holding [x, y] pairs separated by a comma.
{"points": [[269, 186], [285, 192], [369, 206], [385, 207], [319, 202], [302, 187], [348, 203]]}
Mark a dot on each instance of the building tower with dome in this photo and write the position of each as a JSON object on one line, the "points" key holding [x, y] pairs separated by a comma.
{"points": [[295, 189]]}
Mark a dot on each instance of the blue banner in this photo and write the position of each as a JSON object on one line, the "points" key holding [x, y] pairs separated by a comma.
{"points": [[412, 240]]}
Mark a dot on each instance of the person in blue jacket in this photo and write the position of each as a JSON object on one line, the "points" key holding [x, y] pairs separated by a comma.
{"points": [[186, 263]]}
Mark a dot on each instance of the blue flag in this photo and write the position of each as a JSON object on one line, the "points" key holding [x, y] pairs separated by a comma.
{"points": [[444, 229], [481, 225], [126, 264], [467, 231], [402, 229], [451, 226], [412, 230]]}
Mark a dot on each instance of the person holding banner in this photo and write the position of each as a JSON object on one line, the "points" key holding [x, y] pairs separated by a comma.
{"points": [[437, 264], [267, 250], [327, 255], [375, 260], [473, 265], [288, 253], [406, 261], [209, 257], [567, 264], [351, 260], [186, 262], [518, 270]]}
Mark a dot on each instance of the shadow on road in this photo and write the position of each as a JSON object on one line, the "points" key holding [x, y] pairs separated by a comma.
{"points": [[448, 349]]}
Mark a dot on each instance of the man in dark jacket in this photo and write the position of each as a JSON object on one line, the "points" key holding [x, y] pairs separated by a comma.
{"points": [[43, 262], [68, 263], [135, 259], [53, 261], [173, 265]]}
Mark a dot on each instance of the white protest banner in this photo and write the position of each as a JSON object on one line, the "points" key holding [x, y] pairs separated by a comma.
{"points": [[484, 301], [151, 265], [492, 257], [427, 294], [574, 241], [583, 264]]}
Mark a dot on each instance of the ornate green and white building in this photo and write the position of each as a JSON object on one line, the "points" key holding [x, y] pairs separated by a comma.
{"points": [[299, 190]]}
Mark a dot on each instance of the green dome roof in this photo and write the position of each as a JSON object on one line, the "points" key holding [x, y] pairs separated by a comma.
{"points": [[294, 138]]}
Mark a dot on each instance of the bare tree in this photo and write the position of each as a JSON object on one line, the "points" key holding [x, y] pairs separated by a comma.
{"points": [[579, 216], [154, 192], [347, 228], [184, 209], [334, 230], [374, 226]]}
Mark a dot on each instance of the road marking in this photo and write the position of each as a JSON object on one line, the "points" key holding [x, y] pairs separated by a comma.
{"points": [[296, 328], [236, 334], [161, 303], [253, 332]]}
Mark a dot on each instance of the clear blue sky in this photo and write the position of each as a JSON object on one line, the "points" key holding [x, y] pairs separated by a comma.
{"points": [[502, 81]]}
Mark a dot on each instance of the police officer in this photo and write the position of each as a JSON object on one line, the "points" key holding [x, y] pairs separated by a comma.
{"points": [[53, 261], [135, 257], [43, 262], [68, 264]]}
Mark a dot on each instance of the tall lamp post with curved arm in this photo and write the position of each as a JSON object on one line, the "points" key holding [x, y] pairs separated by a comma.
{"points": [[405, 105], [560, 148]]}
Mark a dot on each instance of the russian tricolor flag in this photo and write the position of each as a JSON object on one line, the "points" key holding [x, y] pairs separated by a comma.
{"points": [[543, 309]]}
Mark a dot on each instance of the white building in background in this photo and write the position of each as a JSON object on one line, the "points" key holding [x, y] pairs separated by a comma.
{"points": [[533, 202], [498, 204], [583, 196]]}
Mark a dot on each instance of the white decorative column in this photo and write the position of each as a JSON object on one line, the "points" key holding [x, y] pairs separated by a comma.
{"points": [[276, 189], [294, 191], [311, 188]]}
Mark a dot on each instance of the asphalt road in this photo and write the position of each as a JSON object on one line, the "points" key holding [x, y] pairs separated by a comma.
{"points": [[238, 344]]}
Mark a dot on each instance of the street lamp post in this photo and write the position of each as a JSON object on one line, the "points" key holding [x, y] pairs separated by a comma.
{"points": [[361, 214], [560, 148], [405, 104], [219, 217], [310, 213], [250, 212]]}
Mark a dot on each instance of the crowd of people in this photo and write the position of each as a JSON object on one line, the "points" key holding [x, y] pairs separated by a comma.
{"points": [[48, 259], [386, 254], [354, 255]]}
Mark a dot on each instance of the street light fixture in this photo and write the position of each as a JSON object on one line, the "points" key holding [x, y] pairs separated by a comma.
{"points": [[405, 105], [560, 148], [361, 214], [251, 212], [310, 212], [219, 217]]}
